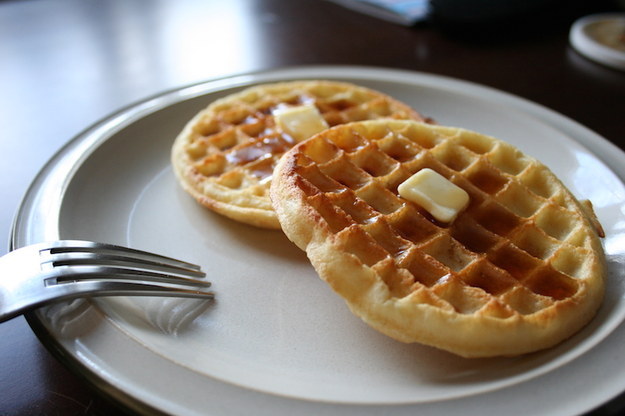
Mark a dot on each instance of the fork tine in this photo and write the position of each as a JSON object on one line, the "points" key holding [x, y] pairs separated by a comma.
{"points": [[109, 259], [135, 288], [146, 289], [119, 252], [73, 273], [97, 288]]}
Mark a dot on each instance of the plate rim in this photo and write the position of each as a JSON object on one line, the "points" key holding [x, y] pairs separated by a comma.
{"points": [[168, 97]]}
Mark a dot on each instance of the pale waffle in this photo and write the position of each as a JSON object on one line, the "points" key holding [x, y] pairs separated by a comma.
{"points": [[225, 155], [520, 269]]}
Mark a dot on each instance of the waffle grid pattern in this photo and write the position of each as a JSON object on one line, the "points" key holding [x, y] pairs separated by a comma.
{"points": [[516, 250], [234, 145]]}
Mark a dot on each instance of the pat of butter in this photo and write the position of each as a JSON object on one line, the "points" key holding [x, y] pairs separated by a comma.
{"points": [[300, 122], [437, 195]]}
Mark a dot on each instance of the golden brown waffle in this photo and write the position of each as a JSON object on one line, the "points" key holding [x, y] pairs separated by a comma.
{"points": [[520, 269], [225, 155]]}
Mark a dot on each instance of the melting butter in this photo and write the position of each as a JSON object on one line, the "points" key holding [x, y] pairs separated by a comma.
{"points": [[300, 122], [443, 199]]}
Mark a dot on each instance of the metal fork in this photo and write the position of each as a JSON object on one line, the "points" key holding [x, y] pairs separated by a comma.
{"points": [[36, 275]]}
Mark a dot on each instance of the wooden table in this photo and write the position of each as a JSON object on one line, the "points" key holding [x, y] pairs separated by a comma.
{"points": [[65, 64]]}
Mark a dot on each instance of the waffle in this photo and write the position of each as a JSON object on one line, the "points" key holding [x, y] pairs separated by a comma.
{"points": [[225, 155], [520, 269]]}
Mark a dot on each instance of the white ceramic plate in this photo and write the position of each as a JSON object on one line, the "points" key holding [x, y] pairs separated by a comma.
{"points": [[277, 339]]}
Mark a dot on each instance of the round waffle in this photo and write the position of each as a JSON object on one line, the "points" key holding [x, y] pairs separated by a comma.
{"points": [[226, 154], [520, 269]]}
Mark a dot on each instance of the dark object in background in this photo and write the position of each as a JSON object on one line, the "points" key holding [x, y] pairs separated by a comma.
{"points": [[501, 20]]}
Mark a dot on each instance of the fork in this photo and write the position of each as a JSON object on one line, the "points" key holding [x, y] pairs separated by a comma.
{"points": [[40, 274]]}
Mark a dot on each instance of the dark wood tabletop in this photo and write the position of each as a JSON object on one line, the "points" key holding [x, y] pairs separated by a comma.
{"points": [[65, 64]]}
